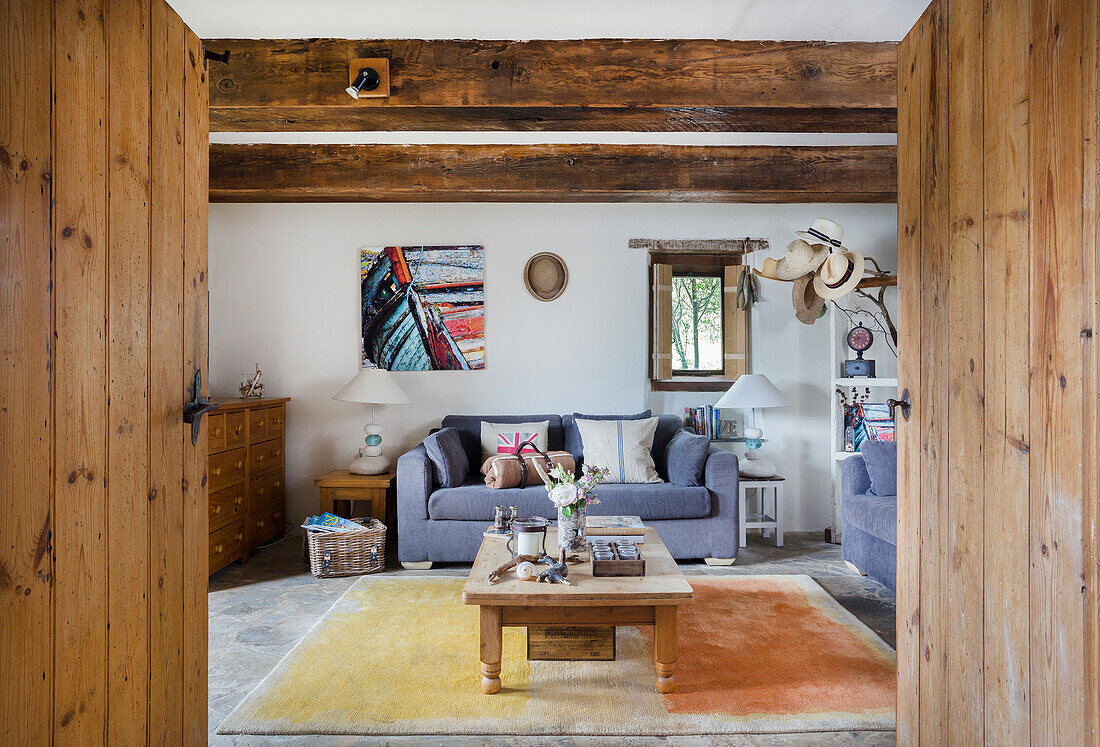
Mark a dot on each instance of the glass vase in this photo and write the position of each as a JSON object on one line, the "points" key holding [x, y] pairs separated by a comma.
{"points": [[569, 528]]}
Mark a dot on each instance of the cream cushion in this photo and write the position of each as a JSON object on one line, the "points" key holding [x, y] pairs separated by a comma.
{"points": [[503, 438], [622, 447]]}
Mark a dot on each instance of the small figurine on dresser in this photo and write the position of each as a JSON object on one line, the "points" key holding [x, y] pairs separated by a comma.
{"points": [[252, 387]]}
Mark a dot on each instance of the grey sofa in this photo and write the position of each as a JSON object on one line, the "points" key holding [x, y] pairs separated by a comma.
{"points": [[869, 524], [446, 524]]}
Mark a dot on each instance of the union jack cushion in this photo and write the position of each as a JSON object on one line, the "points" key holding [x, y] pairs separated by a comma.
{"points": [[505, 438]]}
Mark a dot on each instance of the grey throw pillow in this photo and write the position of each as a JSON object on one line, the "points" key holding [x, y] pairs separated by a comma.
{"points": [[448, 457], [685, 456], [881, 460]]}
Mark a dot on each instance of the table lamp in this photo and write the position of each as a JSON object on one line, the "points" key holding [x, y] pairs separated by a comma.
{"points": [[377, 387], [752, 391]]}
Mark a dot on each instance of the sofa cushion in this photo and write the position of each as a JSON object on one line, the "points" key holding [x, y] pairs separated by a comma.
{"points": [[622, 447], [667, 427], [473, 501], [469, 431], [444, 448], [573, 443], [881, 460], [505, 438], [875, 514], [686, 454]]}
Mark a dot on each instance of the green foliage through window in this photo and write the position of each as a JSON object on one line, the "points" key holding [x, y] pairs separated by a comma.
{"points": [[697, 323]]}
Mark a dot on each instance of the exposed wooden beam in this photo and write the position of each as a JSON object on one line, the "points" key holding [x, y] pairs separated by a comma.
{"points": [[588, 84], [551, 173], [700, 246]]}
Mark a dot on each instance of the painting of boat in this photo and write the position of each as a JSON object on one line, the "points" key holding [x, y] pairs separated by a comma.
{"points": [[423, 307]]}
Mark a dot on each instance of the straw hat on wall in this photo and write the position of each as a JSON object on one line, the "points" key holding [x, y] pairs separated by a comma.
{"points": [[545, 276]]}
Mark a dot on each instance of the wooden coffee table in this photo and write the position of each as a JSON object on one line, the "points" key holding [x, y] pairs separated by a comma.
{"points": [[652, 599]]}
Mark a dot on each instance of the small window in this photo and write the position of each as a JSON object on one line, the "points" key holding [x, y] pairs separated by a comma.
{"points": [[699, 338], [696, 324]]}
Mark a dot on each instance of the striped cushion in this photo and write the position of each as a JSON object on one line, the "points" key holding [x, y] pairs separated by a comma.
{"points": [[621, 446]]}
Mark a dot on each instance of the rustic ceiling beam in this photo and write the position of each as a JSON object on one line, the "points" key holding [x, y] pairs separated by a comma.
{"points": [[551, 173], [640, 85], [700, 246]]}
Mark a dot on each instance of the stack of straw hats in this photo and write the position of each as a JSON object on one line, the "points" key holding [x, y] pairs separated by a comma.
{"points": [[820, 267]]}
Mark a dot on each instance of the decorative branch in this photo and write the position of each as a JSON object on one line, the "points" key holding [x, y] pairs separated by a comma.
{"points": [[880, 301]]}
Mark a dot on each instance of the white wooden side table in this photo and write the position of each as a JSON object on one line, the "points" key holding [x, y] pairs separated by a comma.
{"points": [[761, 519]]}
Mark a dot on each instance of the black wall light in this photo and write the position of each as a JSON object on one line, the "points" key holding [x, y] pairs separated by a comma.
{"points": [[367, 80]]}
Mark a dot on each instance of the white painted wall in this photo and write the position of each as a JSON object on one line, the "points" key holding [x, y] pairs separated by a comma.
{"points": [[284, 283], [284, 292]]}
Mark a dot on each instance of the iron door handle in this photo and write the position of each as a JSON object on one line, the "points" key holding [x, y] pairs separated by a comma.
{"points": [[903, 403], [196, 408]]}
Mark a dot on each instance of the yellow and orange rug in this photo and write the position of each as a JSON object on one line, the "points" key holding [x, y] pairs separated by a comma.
{"points": [[758, 654]]}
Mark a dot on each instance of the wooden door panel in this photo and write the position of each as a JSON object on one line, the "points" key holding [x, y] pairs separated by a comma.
{"points": [[998, 632], [196, 140], [26, 345], [94, 308]]}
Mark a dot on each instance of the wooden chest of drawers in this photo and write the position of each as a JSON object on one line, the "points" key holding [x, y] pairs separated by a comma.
{"points": [[247, 481]]}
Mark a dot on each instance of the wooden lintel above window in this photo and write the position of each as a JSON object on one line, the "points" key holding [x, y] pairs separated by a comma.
{"points": [[718, 247], [690, 384], [637, 85], [579, 172]]}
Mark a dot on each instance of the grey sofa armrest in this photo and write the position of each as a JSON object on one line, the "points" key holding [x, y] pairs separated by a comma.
{"points": [[415, 482], [854, 479], [721, 476]]}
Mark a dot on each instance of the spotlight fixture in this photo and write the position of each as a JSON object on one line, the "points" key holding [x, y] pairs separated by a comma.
{"points": [[367, 80]]}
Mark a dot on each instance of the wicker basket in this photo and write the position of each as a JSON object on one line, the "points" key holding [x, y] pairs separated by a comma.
{"points": [[348, 553]]}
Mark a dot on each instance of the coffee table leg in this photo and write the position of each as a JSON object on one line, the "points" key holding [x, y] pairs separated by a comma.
{"points": [[490, 649], [665, 646]]}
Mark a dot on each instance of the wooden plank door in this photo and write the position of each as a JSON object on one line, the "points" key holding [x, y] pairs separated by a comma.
{"points": [[998, 483], [103, 321]]}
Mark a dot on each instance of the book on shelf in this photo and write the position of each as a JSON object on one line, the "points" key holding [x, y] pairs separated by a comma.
{"points": [[706, 420], [618, 526]]}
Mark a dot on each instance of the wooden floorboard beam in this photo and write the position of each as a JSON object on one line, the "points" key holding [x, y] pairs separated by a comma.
{"points": [[551, 173], [642, 85]]}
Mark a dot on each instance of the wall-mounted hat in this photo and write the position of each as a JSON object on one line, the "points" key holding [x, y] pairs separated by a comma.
{"points": [[768, 270], [824, 231], [839, 275], [545, 276], [801, 258], [807, 304]]}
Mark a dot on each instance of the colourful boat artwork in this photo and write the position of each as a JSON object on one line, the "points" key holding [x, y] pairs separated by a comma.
{"points": [[423, 307]]}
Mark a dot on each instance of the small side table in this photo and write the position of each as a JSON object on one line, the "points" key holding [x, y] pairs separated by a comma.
{"points": [[762, 519], [343, 487]]}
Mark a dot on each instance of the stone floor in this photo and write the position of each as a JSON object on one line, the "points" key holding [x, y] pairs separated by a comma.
{"points": [[260, 609]]}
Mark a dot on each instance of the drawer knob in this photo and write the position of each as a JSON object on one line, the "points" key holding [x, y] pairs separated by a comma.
{"points": [[237, 430], [260, 491], [260, 458], [217, 432], [240, 500], [260, 424], [216, 471], [261, 525], [218, 548], [239, 465], [217, 509], [278, 452], [239, 536], [277, 483]]}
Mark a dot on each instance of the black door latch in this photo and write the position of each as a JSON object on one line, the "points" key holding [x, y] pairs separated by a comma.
{"points": [[196, 408], [903, 403]]}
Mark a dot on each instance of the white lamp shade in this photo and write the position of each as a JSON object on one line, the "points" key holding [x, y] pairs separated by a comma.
{"points": [[373, 385], [753, 390]]}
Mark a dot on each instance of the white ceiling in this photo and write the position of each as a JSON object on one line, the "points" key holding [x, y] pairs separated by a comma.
{"points": [[828, 20]]}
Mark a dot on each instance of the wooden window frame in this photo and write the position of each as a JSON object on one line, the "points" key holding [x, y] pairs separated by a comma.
{"points": [[702, 264]]}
